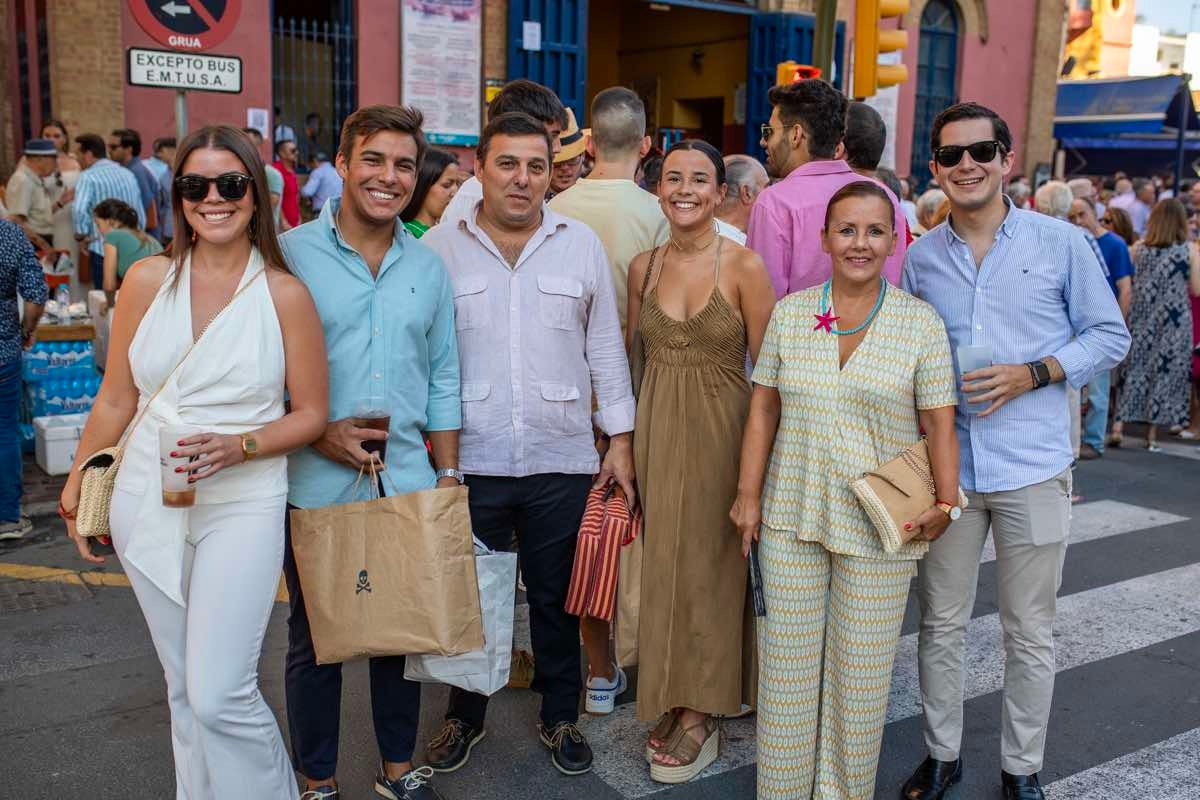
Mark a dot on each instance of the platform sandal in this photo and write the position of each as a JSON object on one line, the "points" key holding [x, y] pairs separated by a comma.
{"points": [[661, 733], [692, 756]]}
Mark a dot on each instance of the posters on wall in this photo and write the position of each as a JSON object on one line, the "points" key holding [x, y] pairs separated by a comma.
{"points": [[441, 66]]}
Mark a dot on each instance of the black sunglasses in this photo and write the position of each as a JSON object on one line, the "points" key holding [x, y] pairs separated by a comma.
{"points": [[231, 186], [981, 152]]}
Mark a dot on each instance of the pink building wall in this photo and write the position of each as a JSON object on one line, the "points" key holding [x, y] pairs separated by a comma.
{"points": [[996, 73], [378, 26], [151, 112]]}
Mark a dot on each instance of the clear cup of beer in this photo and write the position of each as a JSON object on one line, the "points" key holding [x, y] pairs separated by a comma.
{"points": [[372, 412], [176, 491]]}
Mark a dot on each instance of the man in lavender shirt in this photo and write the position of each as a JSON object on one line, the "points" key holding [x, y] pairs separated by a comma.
{"points": [[807, 123]]}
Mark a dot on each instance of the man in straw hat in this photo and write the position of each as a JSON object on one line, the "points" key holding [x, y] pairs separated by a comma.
{"points": [[568, 161]]}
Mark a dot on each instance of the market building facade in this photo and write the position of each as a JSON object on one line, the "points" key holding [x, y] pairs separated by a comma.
{"points": [[703, 66]]}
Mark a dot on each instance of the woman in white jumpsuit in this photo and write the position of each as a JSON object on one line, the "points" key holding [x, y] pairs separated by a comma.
{"points": [[245, 330]]}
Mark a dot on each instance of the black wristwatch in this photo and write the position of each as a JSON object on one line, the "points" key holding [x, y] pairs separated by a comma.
{"points": [[1040, 373]]}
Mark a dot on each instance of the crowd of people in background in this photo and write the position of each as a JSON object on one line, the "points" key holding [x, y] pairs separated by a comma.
{"points": [[743, 431]]}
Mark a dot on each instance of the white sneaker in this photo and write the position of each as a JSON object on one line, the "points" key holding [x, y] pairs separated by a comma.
{"points": [[16, 530], [602, 695]]}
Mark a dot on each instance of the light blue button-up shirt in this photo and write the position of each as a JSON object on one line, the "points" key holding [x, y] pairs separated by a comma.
{"points": [[390, 336], [1039, 292]]}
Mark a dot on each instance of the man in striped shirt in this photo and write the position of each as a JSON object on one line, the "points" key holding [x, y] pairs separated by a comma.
{"points": [[101, 179], [1028, 311]]}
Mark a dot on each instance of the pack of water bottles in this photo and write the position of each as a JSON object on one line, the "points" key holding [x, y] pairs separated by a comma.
{"points": [[58, 360], [60, 378]]}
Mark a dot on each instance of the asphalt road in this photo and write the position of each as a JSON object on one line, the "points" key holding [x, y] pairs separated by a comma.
{"points": [[83, 711]]}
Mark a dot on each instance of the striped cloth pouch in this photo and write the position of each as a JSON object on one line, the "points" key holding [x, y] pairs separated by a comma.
{"points": [[607, 526]]}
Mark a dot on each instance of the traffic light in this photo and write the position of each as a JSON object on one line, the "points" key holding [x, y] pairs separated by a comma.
{"points": [[870, 40], [790, 72]]}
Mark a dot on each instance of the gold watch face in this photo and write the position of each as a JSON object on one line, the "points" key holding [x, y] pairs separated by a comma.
{"points": [[249, 446]]}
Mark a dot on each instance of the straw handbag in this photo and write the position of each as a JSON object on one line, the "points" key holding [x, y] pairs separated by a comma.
{"points": [[99, 470], [897, 492]]}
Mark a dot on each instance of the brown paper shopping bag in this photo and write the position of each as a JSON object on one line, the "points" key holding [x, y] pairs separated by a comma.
{"points": [[391, 576]]}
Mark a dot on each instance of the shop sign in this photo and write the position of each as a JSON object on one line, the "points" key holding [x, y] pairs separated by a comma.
{"points": [[187, 24], [442, 62], [197, 72]]}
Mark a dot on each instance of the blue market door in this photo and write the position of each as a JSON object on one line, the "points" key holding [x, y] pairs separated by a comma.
{"points": [[775, 38], [561, 63], [937, 80]]}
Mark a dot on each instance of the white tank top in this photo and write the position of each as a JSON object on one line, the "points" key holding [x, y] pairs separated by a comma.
{"points": [[232, 382]]}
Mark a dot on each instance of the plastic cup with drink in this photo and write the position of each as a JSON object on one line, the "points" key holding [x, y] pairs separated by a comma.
{"points": [[176, 491], [970, 358], [372, 412]]}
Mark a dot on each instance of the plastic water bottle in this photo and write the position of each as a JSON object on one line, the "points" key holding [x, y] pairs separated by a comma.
{"points": [[63, 295]]}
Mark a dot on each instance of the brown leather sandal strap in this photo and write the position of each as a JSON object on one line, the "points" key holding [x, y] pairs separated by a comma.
{"points": [[683, 748], [666, 724]]}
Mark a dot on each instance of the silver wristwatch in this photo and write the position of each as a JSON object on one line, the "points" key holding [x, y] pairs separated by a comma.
{"points": [[451, 473]]}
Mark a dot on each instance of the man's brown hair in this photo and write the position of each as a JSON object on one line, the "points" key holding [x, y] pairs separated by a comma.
{"points": [[370, 120]]}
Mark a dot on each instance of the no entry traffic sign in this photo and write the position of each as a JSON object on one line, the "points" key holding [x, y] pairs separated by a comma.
{"points": [[187, 24]]}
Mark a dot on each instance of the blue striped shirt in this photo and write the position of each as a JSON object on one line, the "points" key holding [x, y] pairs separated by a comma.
{"points": [[1039, 292], [100, 181]]}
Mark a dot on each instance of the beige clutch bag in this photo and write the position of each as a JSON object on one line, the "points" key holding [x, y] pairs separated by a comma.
{"points": [[896, 492]]}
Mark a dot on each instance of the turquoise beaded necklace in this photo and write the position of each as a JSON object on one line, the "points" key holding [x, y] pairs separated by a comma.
{"points": [[825, 308]]}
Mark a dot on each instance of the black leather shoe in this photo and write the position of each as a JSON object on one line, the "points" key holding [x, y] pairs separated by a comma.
{"points": [[1021, 787], [451, 748], [412, 785], [569, 751], [932, 780]]}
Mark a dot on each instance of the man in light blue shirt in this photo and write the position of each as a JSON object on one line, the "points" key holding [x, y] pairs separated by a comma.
{"points": [[1025, 294], [100, 180], [323, 183], [387, 310]]}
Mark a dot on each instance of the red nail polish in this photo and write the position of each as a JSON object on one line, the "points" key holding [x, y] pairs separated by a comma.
{"points": [[174, 455], [179, 469], [908, 526], [180, 443]]}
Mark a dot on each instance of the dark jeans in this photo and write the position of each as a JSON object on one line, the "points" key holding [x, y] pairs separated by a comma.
{"points": [[314, 693], [545, 511], [96, 264], [10, 442]]}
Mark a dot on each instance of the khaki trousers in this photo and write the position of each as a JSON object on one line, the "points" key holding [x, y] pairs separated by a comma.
{"points": [[1029, 528]]}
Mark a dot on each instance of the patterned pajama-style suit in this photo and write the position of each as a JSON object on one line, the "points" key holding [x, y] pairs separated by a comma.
{"points": [[835, 598]]}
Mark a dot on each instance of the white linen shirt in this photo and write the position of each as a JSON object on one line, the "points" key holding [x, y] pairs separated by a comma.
{"points": [[535, 340]]}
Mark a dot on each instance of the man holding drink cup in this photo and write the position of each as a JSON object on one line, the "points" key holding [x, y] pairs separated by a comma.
{"points": [[1028, 311], [387, 309]]}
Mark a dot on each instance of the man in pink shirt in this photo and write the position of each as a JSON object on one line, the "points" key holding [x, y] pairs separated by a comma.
{"points": [[807, 123]]}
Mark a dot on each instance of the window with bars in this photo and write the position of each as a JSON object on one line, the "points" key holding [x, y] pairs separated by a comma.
{"points": [[937, 80], [313, 70]]}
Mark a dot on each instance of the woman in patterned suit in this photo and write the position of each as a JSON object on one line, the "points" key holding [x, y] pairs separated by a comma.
{"points": [[831, 401]]}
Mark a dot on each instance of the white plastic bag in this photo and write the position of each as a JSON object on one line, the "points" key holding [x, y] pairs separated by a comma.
{"points": [[482, 671]]}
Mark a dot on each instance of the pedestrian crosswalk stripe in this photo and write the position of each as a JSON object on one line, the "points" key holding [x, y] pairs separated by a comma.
{"points": [[1102, 519], [1166, 770], [1091, 625]]}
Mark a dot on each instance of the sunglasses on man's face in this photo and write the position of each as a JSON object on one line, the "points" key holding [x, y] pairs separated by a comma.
{"points": [[981, 152], [768, 130], [231, 186], [1106, 221]]}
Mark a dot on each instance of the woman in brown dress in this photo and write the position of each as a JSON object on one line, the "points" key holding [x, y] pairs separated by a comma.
{"points": [[702, 302]]}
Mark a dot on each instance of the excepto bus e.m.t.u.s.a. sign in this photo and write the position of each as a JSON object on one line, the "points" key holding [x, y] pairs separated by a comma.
{"points": [[194, 72]]}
